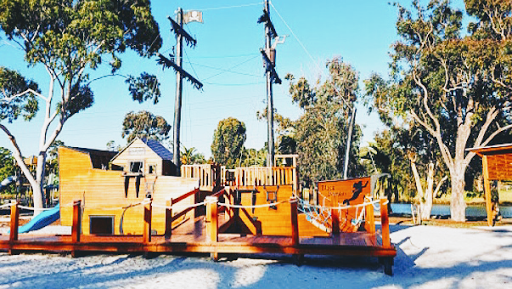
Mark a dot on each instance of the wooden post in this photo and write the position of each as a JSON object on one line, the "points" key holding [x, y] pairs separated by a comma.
{"points": [[335, 221], [146, 233], [370, 219], [76, 230], [15, 219], [295, 223], [168, 219], [13, 234], [384, 220], [487, 190], [211, 219], [212, 225]]}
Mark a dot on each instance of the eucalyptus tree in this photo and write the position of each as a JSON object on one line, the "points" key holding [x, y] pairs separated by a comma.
{"points": [[69, 38], [228, 142], [144, 124], [320, 132], [454, 86]]}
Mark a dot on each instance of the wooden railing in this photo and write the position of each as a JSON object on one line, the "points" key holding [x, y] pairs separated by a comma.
{"points": [[264, 176], [207, 174], [259, 176]]}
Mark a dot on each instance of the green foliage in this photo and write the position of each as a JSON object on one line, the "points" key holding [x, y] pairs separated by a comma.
{"points": [[253, 157], [144, 87], [319, 136], [144, 124], [190, 157], [12, 84], [7, 169], [228, 141]]}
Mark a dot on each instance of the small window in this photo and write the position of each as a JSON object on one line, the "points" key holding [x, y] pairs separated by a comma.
{"points": [[136, 167], [101, 225], [152, 169]]}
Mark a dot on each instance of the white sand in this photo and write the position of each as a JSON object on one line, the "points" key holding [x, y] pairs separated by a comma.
{"points": [[428, 257]]}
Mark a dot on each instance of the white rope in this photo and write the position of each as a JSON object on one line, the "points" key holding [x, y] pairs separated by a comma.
{"points": [[6, 205], [249, 207], [180, 207], [364, 204], [34, 209]]}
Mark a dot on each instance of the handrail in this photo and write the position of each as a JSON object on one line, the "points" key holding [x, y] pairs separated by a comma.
{"points": [[182, 197], [220, 193]]}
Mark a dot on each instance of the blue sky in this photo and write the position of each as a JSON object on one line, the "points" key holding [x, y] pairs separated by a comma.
{"points": [[227, 61]]}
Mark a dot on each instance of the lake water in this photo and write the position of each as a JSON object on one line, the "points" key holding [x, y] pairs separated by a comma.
{"points": [[444, 210]]}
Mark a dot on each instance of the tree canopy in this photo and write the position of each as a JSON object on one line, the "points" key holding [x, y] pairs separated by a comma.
{"points": [[228, 141], [320, 134], [69, 39], [144, 124], [453, 86]]}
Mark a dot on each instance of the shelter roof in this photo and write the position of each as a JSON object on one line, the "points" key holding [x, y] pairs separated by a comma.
{"points": [[154, 145], [492, 150], [498, 159]]}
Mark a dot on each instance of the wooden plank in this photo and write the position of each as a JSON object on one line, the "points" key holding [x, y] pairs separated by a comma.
{"points": [[386, 241], [76, 229], [487, 190], [146, 233], [168, 219], [15, 217], [294, 221]]}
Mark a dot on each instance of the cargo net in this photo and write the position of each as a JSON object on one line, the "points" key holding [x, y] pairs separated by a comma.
{"points": [[350, 218]]}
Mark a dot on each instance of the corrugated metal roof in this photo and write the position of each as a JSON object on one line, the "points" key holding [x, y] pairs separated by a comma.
{"points": [[159, 149]]}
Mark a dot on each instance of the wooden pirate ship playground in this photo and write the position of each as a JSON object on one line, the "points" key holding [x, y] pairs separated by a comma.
{"points": [[129, 202]]}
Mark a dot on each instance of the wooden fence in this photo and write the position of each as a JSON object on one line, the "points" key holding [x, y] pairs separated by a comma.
{"points": [[209, 176]]}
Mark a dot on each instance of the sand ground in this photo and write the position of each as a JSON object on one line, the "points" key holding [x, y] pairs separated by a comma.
{"points": [[428, 257]]}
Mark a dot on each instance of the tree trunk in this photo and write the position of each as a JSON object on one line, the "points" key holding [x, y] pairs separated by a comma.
{"points": [[457, 203], [37, 191], [426, 201]]}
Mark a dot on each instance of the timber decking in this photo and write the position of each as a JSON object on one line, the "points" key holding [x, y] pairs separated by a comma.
{"points": [[344, 244]]}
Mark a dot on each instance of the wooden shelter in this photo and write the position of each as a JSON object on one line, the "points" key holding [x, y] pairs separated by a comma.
{"points": [[496, 166], [112, 192]]}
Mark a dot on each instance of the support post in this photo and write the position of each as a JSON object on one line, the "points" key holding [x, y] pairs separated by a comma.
{"points": [[212, 225], [335, 221], [487, 190], [179, 91], [349, 141], [146, 233], [15, 218], [294, 220], [76, 230], [384, 220], [370, 219], [168, 219]]}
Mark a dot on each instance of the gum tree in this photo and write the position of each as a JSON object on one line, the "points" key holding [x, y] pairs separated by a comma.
{"points": [[455, 86], [69, 38]]}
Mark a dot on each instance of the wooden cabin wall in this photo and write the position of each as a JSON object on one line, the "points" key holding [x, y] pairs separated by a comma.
{"points": [[149, 157], [103, 194], [277, 221]]}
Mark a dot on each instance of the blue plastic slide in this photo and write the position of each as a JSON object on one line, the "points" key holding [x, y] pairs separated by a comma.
{"points": [[42, 220], [7, 181]]}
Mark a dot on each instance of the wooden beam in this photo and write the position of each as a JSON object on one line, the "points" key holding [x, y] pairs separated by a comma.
{"points": [[335, 221], [168, 219], [146, 233], [294, 221], [487, 190], [370, 219], [15, 218], [212, 224], [76, 229], [384, 220]]}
